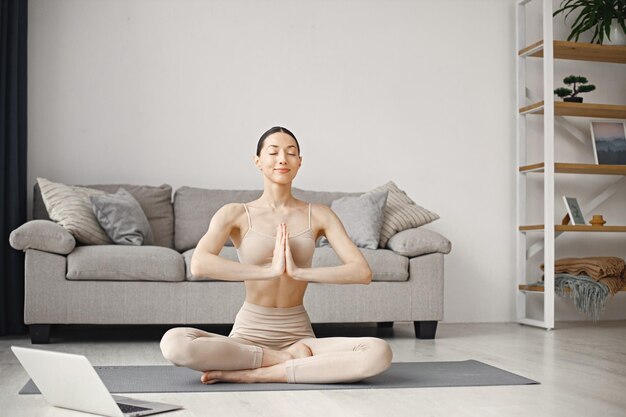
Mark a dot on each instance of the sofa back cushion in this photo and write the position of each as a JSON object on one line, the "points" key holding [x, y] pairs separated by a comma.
{"points": [[194, 208], [321, 197], [155, 201]]}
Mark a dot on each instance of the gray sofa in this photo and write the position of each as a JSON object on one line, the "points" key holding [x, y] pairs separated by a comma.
{"points": [[69, 283]]}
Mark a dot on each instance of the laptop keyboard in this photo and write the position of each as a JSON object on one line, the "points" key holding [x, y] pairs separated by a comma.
{"points": [[127, 408]]}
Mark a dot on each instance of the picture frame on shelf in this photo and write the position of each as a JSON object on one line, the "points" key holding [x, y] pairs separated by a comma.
{"points": [[609, 141], [574, 211]]}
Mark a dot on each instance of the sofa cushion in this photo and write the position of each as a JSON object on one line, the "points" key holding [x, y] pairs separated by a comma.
{"points": [[194, 208], [44, 235], [122, 218], [401, 213], [418, 241], [385, 264], [321, 197], [125, 263], [70, 207], [361, 217], [227, 252], [155, 201]]}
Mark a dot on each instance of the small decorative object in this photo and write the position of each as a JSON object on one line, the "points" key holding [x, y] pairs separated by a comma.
{"points": [[571, 96], [574, 211], [597, 220], [618, 34], [609, 142], [601, 16]]}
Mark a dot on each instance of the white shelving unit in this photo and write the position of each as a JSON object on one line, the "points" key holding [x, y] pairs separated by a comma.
{"points": [[529, 106], [548, 175]]}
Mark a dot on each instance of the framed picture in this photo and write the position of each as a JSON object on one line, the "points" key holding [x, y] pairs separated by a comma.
{"points": [[609, 142], [574, 211]]}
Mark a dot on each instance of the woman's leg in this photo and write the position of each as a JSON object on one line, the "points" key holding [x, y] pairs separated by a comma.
{"points": [[203, 351], [270, 373], [340, 359], [335, 359]]}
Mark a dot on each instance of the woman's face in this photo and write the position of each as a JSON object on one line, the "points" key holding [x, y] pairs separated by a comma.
{"points": [[279, 160]]}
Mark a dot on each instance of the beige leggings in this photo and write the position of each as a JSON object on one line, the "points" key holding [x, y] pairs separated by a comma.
{"points": [[335, 359]]}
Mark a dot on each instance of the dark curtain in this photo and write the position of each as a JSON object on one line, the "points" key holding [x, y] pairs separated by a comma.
{"points": [[13, 18]]}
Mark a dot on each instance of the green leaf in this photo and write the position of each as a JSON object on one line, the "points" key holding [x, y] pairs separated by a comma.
{"points": [[562, 92], [585, 26], [586, 88], [607, 23], [571, 79]]}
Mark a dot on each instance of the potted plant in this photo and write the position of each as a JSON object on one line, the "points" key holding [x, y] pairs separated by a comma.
{"points": [[605, 17], [579, 85]]}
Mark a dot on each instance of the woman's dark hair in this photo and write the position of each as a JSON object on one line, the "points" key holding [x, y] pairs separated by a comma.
{"points": [[274, 129]]}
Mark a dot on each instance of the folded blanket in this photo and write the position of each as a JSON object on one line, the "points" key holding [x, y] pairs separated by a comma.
{"points": [[614, 284], [608, 270]]}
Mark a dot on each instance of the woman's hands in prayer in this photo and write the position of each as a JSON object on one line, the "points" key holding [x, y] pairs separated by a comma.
{"points": [[282, 262], [290, 265], [278, 260]]}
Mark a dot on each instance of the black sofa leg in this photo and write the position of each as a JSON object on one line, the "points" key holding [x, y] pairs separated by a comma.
{"points": [[384, 323], [425, 329], [40, 333]]}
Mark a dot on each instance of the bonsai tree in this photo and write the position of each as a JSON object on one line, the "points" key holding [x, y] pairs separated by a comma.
{"points": [[579, 86], [594, 14]]}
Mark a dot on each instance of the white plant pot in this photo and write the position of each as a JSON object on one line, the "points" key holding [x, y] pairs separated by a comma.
{"points": [[618, 37]]}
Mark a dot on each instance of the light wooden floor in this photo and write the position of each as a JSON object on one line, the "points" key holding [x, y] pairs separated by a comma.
{"points": [[581, 367]]}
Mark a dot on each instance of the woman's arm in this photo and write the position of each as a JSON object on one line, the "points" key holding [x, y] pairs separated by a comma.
{"points": [[355, 269], [206, 261]]}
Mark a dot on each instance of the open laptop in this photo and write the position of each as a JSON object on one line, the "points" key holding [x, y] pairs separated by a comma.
{"points": [[69, 381]]}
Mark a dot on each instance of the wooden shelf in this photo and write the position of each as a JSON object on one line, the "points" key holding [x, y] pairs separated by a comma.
{"points": [[561, 108], [573, 228], [539, 288], [580, 51], [568, 168]]}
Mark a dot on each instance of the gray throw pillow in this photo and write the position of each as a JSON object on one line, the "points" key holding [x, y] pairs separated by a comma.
{"points": [[362, 217], [122, 218], [418, 241], [401, 213]]}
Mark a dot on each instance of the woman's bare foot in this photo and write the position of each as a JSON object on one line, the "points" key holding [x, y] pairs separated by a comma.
{"points": [[210, 377], [299, 350], [275, 373], [242, 376]]}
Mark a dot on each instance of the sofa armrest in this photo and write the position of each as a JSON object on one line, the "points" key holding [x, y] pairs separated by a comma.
{"points": [[43, 235], [418, 241]]}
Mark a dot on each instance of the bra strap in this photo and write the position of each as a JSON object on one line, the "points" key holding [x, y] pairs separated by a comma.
{"points": [[247, 214], [309, 215]]}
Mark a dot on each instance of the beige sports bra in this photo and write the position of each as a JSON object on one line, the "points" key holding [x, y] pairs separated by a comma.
{"points": [[257, 248]]}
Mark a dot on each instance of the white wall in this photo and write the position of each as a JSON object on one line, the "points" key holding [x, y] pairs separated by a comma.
{"points": [[179, 91]]}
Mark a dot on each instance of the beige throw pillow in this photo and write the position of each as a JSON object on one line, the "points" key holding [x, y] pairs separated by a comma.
{"points": [[401, 213], [71, 208]]}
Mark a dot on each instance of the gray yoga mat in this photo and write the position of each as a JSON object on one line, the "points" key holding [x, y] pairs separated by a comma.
{"points": [[138, 379]]}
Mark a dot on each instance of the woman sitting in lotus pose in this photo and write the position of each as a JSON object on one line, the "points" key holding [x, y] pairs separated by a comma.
{"points": [[272, 339]]}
